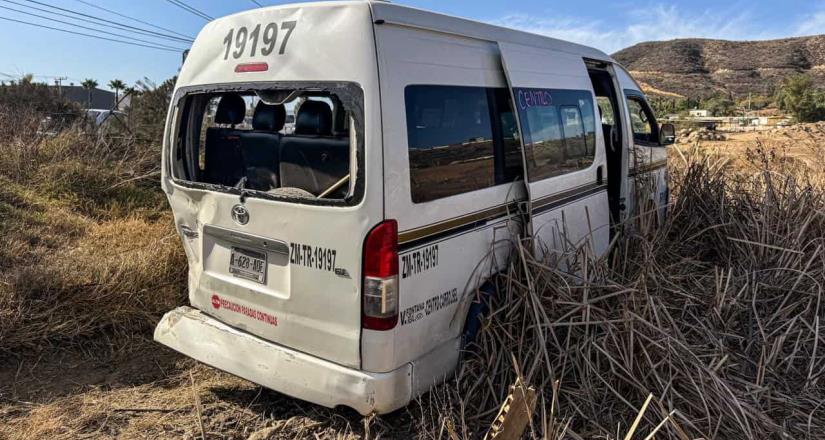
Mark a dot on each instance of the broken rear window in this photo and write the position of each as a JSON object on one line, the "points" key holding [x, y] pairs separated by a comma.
{"points": [[297, 143]]}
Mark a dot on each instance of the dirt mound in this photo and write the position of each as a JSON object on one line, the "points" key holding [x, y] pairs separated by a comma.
{"points": [[700, 68]]}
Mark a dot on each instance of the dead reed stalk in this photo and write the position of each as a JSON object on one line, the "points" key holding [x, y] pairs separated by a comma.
{"points": [[717, 315]]}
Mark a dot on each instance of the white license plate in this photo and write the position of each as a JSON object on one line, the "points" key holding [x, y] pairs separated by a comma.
{"points": [[247, 264]]}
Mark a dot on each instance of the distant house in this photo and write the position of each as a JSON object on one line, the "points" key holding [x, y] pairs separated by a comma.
{"points": [[101, 99], [699, 113]]}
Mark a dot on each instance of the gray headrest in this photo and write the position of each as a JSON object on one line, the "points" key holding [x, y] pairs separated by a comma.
{"points": [[314, 118], [231, 110], [269, 117]]}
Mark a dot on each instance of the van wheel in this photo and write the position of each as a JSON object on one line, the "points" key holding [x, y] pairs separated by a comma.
{"points": [[479, 308]]}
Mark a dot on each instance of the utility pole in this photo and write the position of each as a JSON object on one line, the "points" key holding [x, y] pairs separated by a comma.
{"points": [[58, 81]]}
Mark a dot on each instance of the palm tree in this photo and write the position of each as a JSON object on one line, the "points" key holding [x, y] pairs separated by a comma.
{"points": [[117, 85], [89, 84]]}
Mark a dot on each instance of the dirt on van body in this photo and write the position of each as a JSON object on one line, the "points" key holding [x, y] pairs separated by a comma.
{"points": [[89, 261]]}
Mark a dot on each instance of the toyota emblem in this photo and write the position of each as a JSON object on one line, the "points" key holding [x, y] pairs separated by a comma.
{"points": [[240, 214]]}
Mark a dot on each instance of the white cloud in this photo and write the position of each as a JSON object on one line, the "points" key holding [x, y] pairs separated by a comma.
{"points": [[651, 24]]}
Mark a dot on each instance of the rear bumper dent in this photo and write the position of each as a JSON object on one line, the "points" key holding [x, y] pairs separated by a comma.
{"points": [[291, 372]]}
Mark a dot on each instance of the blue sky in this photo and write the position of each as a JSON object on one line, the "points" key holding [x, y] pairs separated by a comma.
{"points": [[607, 26]]}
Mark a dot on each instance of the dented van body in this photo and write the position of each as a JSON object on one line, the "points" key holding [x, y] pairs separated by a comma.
{"points": [[335, 258]]}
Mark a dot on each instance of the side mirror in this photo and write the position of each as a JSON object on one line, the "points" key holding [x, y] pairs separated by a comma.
{"points": [[667, 134]]}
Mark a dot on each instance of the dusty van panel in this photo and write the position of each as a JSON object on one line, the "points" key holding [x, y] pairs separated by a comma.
{"points": [[299, 42], [647, 169], [273, 265], [564, 153], [439, 184]]}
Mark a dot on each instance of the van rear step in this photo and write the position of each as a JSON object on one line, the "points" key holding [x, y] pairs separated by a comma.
{"points": [[195, 334]]}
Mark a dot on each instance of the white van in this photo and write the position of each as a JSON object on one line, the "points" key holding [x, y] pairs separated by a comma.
{"points": [[337, 262]]}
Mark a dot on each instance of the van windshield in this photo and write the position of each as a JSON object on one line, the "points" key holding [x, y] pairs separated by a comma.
{"points": [[288, 143]]}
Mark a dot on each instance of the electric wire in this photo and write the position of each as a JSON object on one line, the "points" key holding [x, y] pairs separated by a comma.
{"points": [[118, 25], [87, 35], [137, 20], [256, 2], [190, 9], [92, 29]]}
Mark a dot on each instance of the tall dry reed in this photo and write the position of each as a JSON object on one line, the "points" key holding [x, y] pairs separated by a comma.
{"points": [[717, 314]]}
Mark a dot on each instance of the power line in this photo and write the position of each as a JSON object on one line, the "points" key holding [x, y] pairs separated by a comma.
{"points": [[256, 2], [137, 20], [190, 9], [88, 35], [118, 25], [91, 28], [37, 75]]}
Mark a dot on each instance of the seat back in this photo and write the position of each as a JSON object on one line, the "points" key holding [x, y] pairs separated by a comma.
{"points": [[313, 159], [260, 147], [223, 160]]}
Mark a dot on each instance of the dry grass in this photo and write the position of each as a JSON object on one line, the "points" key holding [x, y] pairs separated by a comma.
{"points": [[717, 314], [84, 249]]}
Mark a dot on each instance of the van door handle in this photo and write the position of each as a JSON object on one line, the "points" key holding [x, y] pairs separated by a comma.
{"points": [[599, 175]]}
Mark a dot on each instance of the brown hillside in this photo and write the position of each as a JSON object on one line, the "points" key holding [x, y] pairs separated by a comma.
{"points": [[699, 68]]}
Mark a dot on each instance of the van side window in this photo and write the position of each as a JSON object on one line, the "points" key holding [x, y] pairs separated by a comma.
{"points": [[511, 167], [642, 121], [573, 128], [453, 134], [606, 112], [559, 131]]}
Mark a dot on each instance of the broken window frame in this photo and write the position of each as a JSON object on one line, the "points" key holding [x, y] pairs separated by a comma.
{"points": [[179, 128]]}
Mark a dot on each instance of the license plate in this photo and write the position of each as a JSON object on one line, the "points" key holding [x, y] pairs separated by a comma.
{"points": [[247, 264]]}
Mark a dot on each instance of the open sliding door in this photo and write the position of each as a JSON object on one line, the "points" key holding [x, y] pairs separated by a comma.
{"points": [[563, 151]]}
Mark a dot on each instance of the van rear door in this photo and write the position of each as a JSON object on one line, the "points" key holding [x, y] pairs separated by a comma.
{"points": [[274, 224], [274, 219], [564, 159]]}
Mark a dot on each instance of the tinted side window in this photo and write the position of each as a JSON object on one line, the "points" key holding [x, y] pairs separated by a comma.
{"points": [[642, 121], [559, 131], [605, 110], [452, 134], [511, 166]]}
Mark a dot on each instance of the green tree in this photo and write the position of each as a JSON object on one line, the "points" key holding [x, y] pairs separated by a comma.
{"points": [[799, 97], [720, 105], [89, 84], [117, 85], [148, 107], [25, 95]]}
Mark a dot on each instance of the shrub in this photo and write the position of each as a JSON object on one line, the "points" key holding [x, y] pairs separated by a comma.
{"points": [[798, 96]]}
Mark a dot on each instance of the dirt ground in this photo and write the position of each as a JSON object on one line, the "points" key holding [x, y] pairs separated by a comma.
{"points": [[802, 142], [132, 388], [148, 391]]}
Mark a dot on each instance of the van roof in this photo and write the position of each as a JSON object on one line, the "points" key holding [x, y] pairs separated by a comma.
{"points": [[434, 21], [409, 16]]}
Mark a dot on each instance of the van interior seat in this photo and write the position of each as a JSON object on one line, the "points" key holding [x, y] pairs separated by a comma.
{"points": [[261, 147], [313, 159], [223, 160]]}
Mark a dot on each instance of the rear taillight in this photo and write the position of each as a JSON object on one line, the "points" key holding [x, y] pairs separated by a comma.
{"points": [[380, 289], [251, 67]]}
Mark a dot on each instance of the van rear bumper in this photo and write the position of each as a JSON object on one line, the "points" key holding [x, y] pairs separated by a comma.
{"points": [[291, 372]]}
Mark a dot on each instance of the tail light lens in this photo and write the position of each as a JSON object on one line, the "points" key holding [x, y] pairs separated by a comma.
{"points": [[380, 288]]}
